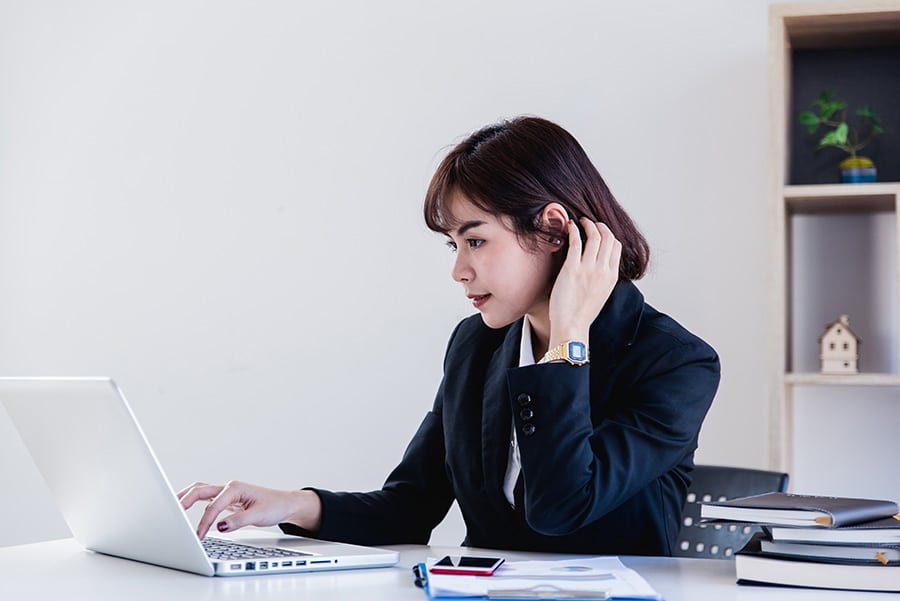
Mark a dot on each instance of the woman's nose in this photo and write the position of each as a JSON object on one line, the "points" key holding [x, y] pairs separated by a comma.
{"points": [[461, 271]]}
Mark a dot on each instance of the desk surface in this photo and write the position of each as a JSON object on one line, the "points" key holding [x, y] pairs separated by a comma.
{"points": [[63, 570]]}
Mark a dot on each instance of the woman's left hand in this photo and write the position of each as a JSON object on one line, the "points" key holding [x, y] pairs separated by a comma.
{"points": [[584, 283]]}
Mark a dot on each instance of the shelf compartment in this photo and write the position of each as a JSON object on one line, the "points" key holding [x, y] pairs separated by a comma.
{"points": [[861, 75], [843, 264]]}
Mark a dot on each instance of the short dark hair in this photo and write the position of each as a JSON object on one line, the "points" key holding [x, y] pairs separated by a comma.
{"points": [[517, 167]]}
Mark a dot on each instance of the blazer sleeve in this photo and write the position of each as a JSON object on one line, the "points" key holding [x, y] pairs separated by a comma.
{"points": [[575, 470], [413, 500]]}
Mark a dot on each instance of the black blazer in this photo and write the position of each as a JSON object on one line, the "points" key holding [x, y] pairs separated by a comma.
{"points": [[607, 448]]}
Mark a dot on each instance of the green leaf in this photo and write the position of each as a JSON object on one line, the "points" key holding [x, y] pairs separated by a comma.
{"points": [[876, 122], [832, 107], [841, 133], [823, 98], [829, 139], [866, 111], [810, 120]]}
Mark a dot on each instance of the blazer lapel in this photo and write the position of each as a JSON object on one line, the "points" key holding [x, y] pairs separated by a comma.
{"points": [[496, 423]]}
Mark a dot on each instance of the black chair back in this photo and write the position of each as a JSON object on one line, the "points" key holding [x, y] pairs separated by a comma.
{"points": [[719, 483]]}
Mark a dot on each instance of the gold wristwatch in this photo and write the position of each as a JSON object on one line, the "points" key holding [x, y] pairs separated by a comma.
{"points": [[573, 352]]}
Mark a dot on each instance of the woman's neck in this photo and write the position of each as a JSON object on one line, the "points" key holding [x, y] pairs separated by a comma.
{"points": [[540, 335]]}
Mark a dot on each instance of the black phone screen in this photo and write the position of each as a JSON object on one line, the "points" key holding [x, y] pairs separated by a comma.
{"points": [[467, 561]]}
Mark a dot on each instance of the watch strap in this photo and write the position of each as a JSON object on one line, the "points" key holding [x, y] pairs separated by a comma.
{"points": [[571, 351]]}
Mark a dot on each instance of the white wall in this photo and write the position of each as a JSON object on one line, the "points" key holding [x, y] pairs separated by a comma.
{"points": [[219, 203]]}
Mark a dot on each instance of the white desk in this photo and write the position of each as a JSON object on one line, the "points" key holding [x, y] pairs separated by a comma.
{"points": [[62, 570]]}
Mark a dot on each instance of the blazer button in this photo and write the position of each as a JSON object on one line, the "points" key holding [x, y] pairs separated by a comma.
{"points": [[526, 414], [528, 429], [524, 399]]}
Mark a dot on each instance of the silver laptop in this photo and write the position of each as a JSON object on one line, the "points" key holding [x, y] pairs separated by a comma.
{"points": [[116, 499]]}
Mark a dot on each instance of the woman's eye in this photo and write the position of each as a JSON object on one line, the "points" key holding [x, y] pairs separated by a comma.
{"points": [[451, 245], [474, 243]]}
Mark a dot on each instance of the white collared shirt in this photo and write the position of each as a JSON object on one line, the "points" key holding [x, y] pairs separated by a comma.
{"points": [[514, 462]]}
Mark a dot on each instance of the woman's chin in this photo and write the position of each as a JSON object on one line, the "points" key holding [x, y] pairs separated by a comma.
{"points": [[495, 322]]}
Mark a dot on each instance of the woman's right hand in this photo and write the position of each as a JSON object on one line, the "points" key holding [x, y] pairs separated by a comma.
{"points": [[585, 281], [252, 506]]}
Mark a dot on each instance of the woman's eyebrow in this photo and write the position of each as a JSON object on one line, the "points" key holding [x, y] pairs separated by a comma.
{"points": [[465, 227]]}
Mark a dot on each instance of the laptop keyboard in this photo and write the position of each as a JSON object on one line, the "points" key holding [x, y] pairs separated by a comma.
{"points": [[217, 548]]}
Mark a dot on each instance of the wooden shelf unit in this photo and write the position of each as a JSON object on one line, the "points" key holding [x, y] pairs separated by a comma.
{"points": [[817, 25]]}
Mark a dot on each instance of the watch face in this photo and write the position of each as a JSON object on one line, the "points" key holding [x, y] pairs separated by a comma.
{"points": [[577, 351]]}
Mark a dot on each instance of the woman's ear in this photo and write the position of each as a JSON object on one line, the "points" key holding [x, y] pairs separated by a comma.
{"points": [[554, 221]]}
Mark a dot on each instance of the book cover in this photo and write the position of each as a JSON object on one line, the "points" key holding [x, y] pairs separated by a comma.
{"points": [[873, 554], [753, 566], [786, 509], [885, 531]]}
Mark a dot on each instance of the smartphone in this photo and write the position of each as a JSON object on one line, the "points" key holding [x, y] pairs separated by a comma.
{"points": [[467, 565]]}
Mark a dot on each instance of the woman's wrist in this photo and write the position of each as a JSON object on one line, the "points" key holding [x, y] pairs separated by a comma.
{"points": [[566, 335], [308, 510]]}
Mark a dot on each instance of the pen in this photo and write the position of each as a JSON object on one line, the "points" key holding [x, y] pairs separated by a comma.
{"points": [[420, 575]]}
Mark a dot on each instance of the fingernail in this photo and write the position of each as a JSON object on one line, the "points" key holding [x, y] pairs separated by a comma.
{"points": [[222, 526]]}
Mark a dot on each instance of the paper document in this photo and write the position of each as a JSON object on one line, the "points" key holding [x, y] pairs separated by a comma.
{"points": [[579, 578]]}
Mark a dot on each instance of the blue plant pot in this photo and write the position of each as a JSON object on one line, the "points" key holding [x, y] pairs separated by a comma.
{"points": [[858, 170]]}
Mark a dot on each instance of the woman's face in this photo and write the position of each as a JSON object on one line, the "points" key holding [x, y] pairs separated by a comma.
{"points": [[504, 280]]}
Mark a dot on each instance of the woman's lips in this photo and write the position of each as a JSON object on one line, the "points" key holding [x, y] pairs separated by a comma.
{"points": [[479, 299]]}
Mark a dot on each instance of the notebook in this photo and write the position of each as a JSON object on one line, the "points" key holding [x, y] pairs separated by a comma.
{"points": [[114, 495]]}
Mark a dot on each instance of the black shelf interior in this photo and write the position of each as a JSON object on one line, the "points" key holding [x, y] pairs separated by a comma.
{"points": [[861, 76]]}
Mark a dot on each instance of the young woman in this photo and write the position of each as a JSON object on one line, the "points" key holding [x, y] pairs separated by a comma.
{"points": [[569, 410]]}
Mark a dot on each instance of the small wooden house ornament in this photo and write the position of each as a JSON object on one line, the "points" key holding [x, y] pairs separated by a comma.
{"points": [[839, 348]]}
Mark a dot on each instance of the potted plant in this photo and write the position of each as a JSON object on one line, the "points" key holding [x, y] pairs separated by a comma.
{"points": [[847, 136]]}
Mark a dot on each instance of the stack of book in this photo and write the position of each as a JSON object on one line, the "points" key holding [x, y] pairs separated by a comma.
{"points": [[815, 541]]}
